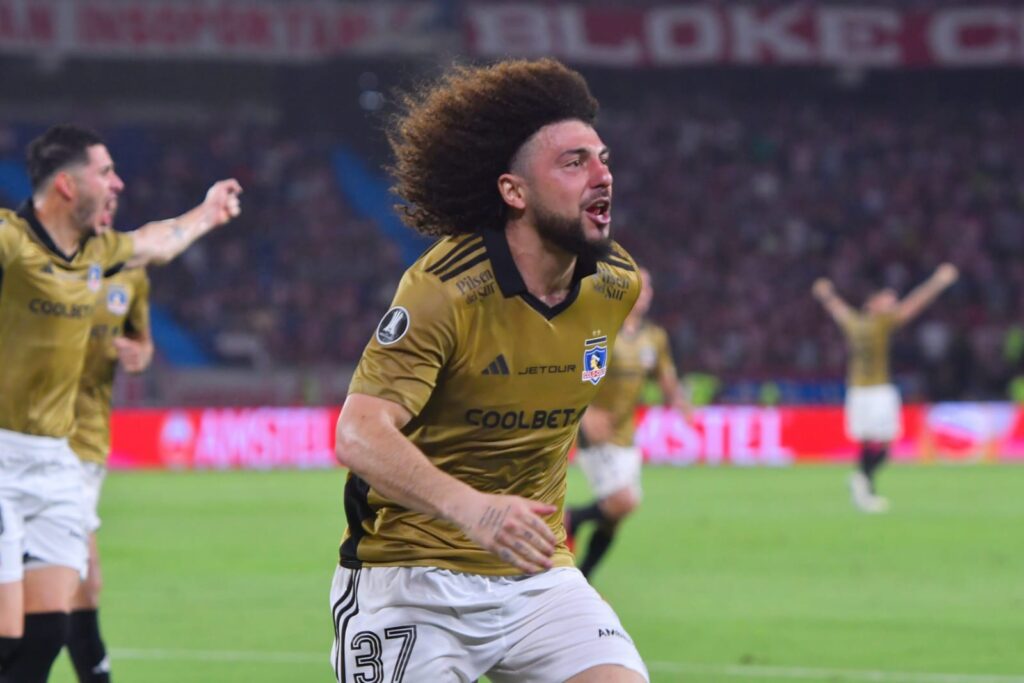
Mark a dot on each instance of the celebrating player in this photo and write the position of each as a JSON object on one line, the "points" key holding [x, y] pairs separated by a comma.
{"points": [[468, 397], [54, 252], [120, 336], [872, 401], [608, 457]]}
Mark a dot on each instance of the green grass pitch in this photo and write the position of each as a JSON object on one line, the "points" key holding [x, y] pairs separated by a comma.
{"points": [[724, 575]]}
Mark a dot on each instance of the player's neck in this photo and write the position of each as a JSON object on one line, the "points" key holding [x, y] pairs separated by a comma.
{"points": [[546, 269], [58, 224], [632, 323]]}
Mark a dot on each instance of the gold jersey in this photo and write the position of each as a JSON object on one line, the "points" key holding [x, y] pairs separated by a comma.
{"points": [[496, 382], [46, 308], [636, 357], [122, 307], [867, 340]]}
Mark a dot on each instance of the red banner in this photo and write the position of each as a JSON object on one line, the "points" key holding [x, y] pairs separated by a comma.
{"points": [[218, 29], [274, 438], [800, 34]]}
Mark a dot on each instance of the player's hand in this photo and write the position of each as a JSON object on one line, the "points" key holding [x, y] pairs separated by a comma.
{"points": [[513, 529], [222, 201], [134, 355], [822, 288], [947, 274], [682, 406]]}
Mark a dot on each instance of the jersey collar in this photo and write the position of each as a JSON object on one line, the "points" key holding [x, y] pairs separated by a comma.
{"points": [[511, 281], [27, 211]]}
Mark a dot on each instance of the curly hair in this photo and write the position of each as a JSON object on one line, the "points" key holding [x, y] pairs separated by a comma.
{"points": [[457, 135]]}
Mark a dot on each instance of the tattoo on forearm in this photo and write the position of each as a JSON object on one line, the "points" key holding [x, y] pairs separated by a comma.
{"points": [[178, 231]]}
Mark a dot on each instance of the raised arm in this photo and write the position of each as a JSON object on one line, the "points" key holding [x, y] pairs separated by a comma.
{"points": [[371, 444], [825, 292], [160, 241], [918, 299]]}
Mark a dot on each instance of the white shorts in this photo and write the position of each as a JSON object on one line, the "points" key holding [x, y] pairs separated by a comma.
{"points": [[93, 475], [426, 624], [609, 468], [873, 413], [40, 505]]}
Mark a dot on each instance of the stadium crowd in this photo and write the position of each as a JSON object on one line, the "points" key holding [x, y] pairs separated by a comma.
{"points": [[735, 206]]}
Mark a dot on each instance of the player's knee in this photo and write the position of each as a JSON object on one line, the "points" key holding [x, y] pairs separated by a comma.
{"points": [[91, 589], [12, 625], [620, 504]]}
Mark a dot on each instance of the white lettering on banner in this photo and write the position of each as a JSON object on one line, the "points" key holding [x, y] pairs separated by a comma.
{"points": [[738, 435], [859, 35], [792, 33], [264, 438], [769, 37], [577, 42], [702, 35], [520, 30], [948, 36], [259, 29], [26, 23]]}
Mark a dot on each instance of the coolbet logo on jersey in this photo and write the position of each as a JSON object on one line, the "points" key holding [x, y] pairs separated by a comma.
{"points": [[95, 278], [393, 326], [595, 359], [117, 300]]}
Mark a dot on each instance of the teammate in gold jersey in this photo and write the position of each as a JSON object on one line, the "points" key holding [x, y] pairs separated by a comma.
{"points": [[609, 458], [54, 251], [120, 335], [468, 397], [872, 401]]}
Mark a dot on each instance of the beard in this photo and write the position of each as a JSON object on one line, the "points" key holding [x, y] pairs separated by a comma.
{"points": [[569, 235], [84, 214]]}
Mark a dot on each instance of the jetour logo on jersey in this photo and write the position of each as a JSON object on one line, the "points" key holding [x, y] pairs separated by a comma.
{"points": [[595, 359], [393, 325], [117, 300], [94, 278]]}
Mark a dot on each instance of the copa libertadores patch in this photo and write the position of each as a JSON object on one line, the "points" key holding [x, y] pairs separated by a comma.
{"points": [[393, 325]]}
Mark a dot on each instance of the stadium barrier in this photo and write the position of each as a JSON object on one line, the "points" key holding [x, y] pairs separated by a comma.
{"points": [[289, 438]]}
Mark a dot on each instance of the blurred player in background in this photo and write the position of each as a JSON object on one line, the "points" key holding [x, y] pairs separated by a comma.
{"points": [[607, 455], [120, 335], [467, 399], [873, 408], [54, 251]]}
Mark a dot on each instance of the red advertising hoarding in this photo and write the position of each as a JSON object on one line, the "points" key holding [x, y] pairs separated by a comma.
{"points": [[282, 438], [785, 33], [263, 30]]}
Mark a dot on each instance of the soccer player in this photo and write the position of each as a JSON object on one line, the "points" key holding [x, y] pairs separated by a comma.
{"points": [[872, 401], [608, 457], [120, 335], [54, 251], [469, 394]]}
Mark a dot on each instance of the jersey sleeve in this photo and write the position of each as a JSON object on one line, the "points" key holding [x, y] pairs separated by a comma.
{"points": [[634, 275], [137, 320], [410, 346], [116, 248], [10, 238]]}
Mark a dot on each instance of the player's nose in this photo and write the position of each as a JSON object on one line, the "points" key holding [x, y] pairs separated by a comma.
{"points": [[600, 173]]}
